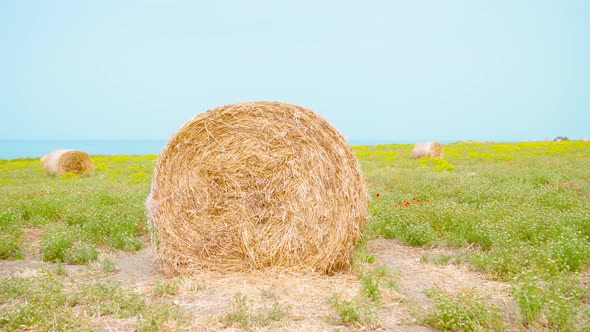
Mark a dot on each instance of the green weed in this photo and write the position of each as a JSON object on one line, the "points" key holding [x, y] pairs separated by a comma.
{"points": [[166, 287], [371, 283], [108, 266], [551, 302], [60, 270], [62, 244], [357, 312], [463, 312], [41, 302], [241, 313], [362, 310], [108, 298], [11, 236], [512, 209], [36, 303], [161, 316]]}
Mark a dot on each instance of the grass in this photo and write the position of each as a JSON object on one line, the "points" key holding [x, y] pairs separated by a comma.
{"points": [[76, 215], [240, 313], [357, 312], [517, 212], [42, 302], [513, 211], [465, 311], [362, 310], [372, 282], [108, 266], [551, 302], [166, 287], [11, 237], [60, 244]]}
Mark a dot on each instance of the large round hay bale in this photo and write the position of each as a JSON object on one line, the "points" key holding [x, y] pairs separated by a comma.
{"points": [[427, 149], [72, 161], [256, 185]]}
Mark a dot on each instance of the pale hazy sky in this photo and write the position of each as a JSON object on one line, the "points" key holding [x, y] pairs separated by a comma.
{"points": [[391, 71]]}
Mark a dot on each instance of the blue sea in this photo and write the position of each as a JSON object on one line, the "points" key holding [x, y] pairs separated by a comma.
{"points": [[12, 149]]}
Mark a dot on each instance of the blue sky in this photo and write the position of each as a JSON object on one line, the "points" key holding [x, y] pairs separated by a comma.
{"points": [[390, 71]]}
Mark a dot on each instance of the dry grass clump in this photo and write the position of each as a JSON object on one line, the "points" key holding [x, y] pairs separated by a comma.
{"points": [[72, 161], [428, 149], [256, 185]]}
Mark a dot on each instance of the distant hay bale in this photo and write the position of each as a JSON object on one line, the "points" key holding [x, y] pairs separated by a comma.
{"points": [[427, 149], [256, 185], [72, 161]]}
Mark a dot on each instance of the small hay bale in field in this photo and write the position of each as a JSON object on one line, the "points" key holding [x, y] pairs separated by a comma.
{"points": [[427, 149], [256, 185], [62, 161]]}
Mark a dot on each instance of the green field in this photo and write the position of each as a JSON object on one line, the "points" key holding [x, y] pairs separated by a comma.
{"points": [[517, 212]]}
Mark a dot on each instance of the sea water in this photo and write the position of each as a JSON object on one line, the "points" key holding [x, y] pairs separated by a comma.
{"points": [[11, 149]]}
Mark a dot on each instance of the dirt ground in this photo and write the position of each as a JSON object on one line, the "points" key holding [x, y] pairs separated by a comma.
{"points": [[206, 296]]}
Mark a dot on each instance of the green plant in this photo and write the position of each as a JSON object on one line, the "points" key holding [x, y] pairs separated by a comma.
{"points": [[160, 316], [36, 303], [11, 245], [63, 244], [512, 209], [362, 255], [439, 259], [465, 311], [354, 312], [108, 265], [81, 253], [60, 269], [166, 287], [108, 298], [550, 302], [12, 287], [56, 244], [371, 282], [241, 313], [41, 302], [10, 236]]}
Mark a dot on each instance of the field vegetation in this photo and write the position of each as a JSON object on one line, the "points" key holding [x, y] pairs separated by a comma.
{"points": [[519, 213]]}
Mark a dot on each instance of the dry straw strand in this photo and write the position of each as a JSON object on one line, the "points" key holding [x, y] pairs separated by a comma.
{"points": [[256, 185], [427, 149], [63, 161]]}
